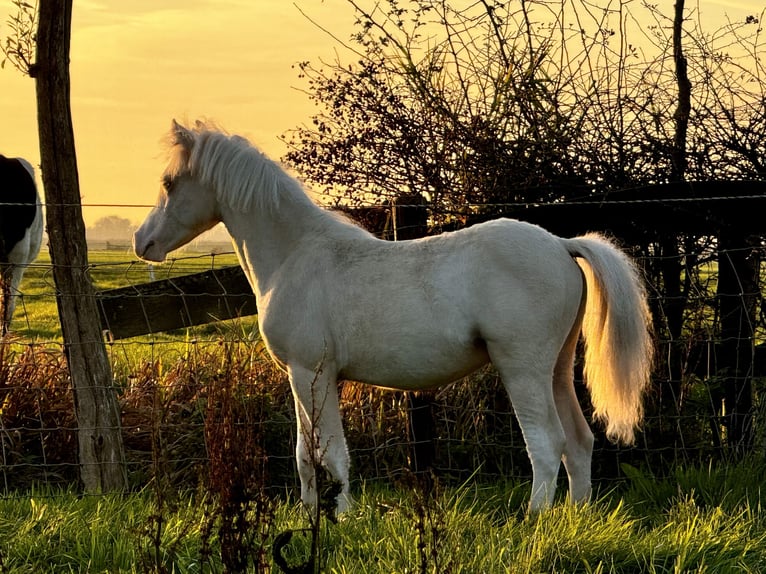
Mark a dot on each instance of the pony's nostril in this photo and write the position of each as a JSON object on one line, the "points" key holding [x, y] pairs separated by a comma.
{"points": [[146, 248]]}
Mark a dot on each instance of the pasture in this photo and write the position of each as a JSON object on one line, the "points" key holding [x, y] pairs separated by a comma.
{"points": [[37, 318], [701, 520], [695, 518]]}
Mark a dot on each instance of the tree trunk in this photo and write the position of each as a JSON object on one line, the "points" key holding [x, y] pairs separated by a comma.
{"points": [[684, 106], [101, 453], [675, 297]]}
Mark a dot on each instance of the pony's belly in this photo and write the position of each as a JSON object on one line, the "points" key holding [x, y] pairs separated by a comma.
{"points": [[416, 368]]}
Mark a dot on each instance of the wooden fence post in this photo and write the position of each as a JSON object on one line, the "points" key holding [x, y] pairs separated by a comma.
{"points": [[101, 453], [738, 300], [410, 221]]}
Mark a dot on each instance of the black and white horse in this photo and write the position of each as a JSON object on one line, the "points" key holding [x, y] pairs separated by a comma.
{"points": [[21, 230]]}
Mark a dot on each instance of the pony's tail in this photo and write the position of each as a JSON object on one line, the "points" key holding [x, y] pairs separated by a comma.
{"points": [[617, 332]]}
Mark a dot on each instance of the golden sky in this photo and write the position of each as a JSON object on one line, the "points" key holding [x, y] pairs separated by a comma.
{"points": [[136, 64]]}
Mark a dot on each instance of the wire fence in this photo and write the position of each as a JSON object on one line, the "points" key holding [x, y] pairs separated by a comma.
{"points": [[166, 383]]}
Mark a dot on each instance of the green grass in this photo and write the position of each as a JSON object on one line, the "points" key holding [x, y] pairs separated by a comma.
{"points": [[473, 529], [36, 318]]}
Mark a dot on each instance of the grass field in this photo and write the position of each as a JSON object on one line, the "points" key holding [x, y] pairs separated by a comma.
{"points": [[702, 521], [36, 316], [695, 520]]}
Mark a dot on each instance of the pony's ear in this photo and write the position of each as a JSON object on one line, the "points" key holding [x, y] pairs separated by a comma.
{"points": [[181, 135]]}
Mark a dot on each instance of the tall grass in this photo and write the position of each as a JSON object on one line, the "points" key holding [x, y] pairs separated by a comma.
{"points": [[479, 531]]}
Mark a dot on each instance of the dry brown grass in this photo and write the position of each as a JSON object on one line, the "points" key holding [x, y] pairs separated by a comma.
{"points": [[37, 419], [165, 404]]}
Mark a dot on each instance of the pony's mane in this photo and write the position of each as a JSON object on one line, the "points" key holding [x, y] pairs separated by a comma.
{"points": [[241, 174], [244, 178]]}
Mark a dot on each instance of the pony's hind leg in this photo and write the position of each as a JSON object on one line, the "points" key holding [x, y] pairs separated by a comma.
{"points": [[7, 298], [529, 384], [320, 440], [578, 450]]}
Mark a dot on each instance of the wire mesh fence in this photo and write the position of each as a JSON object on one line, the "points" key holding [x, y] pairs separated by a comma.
{"points": [[169, 387]]}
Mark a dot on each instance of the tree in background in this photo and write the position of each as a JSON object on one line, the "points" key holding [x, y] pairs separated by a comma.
{"points": [[442, 103], [486, 106], [111, 227], [499, 102]]}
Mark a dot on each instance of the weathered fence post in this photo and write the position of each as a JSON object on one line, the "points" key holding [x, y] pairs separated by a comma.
{"points": [[101, 454], [738, 300], [410, 221]]}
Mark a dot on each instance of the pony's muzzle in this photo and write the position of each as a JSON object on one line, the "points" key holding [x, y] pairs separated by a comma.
{"points": [[147, 250]]}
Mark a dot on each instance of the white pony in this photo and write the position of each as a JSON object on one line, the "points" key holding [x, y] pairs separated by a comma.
{"points": [[21, 230], [336, 303]]}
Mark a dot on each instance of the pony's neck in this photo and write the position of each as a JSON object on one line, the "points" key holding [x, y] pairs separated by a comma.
{"points": [[264, 236], [266, 211]]}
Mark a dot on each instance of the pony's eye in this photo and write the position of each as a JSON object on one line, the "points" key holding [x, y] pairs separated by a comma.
{"points": [[167, 182]]}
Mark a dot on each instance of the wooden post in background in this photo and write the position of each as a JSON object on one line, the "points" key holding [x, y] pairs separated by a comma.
{"points": [[410, 221], [101, 453], [738, 303]]}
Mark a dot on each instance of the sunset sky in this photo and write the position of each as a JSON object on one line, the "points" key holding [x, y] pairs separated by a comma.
{"points": [[136, 64]]}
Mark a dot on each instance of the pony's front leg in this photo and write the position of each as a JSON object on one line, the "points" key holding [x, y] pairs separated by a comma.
{"points": [[320, 440], [305, 457]]}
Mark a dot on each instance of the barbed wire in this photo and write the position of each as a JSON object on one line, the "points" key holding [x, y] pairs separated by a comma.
{"points": [[599, 198]]}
